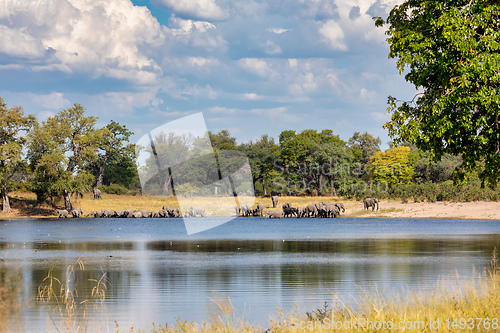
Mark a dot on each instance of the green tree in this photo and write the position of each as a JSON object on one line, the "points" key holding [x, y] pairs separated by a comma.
{"points": [[394, 166], [222, 140], [113, 148], [450, 51], [261, 155], [366, 144], [59, 148], [12, 123]]}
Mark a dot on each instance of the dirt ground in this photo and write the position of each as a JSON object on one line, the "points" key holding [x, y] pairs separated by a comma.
{"points": [[482, 210]]}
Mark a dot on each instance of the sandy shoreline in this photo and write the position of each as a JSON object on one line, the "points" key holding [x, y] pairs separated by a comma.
{"points": [[478, 210]]}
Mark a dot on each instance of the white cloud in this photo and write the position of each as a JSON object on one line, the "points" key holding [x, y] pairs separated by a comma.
{"points": [[251, 97], [19, 43], [128, 101], [271, 48], [381, 116], [274, 113], [204, 9], [333, 35], [194, 34], [277, 31], [99, 37], [221, 109], [256, 66], [54, 100]]}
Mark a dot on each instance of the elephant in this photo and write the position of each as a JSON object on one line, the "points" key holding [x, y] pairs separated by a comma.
{"points": [[162, 213], [290, 212], [371, 202], [175, 212], [195, 211], [246, 210], [77, 212], [118, 213], [106, 213], [92, 213], [260, 210], [340, 206], [237, 210], [274, 214], [286, 205], [137, 215], [300, 212], [311, 209], [154, 214], [275, 193], [63, 213], [97, 193], [332, 210], [274, 199], [144, 212], [128, 213]]}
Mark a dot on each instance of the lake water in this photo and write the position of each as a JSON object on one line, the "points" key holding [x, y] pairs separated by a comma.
{"points": [[156, 272]]}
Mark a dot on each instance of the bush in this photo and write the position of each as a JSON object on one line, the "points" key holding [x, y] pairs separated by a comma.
{"points": [[114, 189]]}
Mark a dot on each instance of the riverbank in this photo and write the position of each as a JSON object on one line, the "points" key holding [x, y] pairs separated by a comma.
{"points": [[24, 206]]}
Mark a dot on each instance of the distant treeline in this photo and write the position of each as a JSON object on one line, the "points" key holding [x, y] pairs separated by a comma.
{"points": [[67, 154]]}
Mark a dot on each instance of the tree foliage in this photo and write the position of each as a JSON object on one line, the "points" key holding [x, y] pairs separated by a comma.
{"points": [[395, 166], [59, 148], [12, 123], [450, 51]]}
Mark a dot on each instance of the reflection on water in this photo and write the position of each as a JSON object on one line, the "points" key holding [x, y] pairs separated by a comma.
{"points": [[157, 273]]}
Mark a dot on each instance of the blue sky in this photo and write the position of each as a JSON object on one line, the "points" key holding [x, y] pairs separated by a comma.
{"points": [[253, 67]]}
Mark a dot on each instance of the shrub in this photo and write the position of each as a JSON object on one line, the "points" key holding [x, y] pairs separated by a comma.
{"points": [[114, 189]]}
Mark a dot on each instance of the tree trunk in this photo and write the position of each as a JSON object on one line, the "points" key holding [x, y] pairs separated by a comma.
{"points": [[264, 185], [67, 201], [5, 199], [100, 175]]}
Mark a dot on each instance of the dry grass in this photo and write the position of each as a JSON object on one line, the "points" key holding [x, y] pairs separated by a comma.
{"points": [[67, 312], [25, 203]]}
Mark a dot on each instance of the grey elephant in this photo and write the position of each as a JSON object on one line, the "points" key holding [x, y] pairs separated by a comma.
{"points": [[274, 214], [97, 193], [237, 210], [77, 212], [137, 215], [246, 210], [332, 210], [310, 210], [300, 212], [274, 199], [63, 213], [286, 205], [340, 206], [290, 212], [371, 202], [118, 213], [106, 212], [260, 210], [154, 214], [195, 211], [144, 212]]}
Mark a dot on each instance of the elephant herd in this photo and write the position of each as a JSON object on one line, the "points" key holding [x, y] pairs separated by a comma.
{"points": [[164, 212], [316, 209]]}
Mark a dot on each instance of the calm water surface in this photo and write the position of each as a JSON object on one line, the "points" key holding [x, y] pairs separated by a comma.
{"points": [[156, 272]]}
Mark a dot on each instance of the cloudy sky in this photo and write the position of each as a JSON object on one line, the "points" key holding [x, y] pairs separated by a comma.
{"points": [[251, 66]]}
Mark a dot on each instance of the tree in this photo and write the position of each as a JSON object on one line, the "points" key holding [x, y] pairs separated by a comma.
{"points": [[222, 140], [112, 148], [366, 144], [12, 124], [59, 148], [450, 52], [261, 155], [395, 166]]}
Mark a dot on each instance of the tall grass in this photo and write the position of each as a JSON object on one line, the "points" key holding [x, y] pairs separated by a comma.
{"points": [[66, 311]]}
